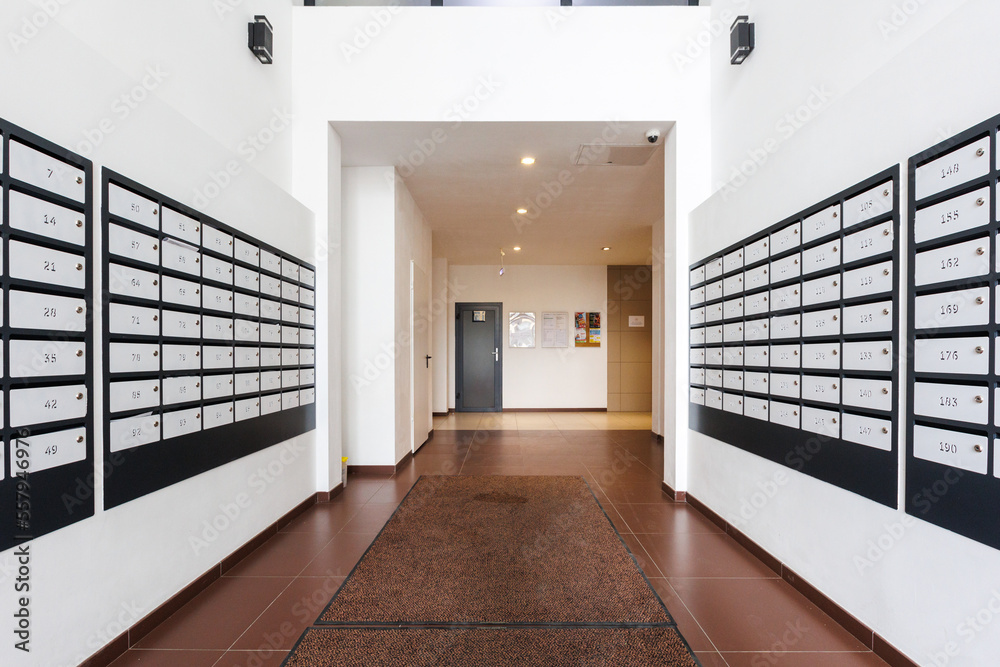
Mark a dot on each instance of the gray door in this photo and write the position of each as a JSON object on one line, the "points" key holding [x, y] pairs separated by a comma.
{"points": [[478, 357]]}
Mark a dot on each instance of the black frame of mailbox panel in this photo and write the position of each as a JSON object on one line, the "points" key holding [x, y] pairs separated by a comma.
{"points": [[62, 495], [958, 500], [867, 471], [141, 470]]}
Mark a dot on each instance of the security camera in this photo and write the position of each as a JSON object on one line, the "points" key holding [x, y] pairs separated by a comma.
{"points": [[653, 136]]}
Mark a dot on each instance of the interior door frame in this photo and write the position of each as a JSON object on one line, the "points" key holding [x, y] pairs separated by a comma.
{"points": [[459, 370], [416, 356]]}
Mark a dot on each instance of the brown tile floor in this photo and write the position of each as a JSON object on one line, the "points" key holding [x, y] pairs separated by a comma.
{"points": [[731, 608]]}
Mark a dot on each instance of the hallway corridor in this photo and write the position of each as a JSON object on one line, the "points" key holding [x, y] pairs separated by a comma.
{"points": [[731, 607]]}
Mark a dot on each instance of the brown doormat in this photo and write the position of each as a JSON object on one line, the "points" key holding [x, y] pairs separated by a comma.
{"points": [[621, 647], [497, 550]]}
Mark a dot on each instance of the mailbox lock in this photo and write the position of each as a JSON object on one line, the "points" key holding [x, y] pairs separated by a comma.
{"points": [[835, 283], [156, 282], [795, 321], [835, 214], [834, 385], [156, 353], [980, 250], [885, 350], [79, 353], [834, 318], [795, 412], [795, 292], [79, 223], [156, 388], [978, 448], [885, 311], [979, 399], [79, 180], [885, 272], [156, 317], [79, 438], [79, 309], [835, 248], [885, 232], [834, 353], [979, 300], [795, 382], [833, 419], [980, 152], [197, 415], [79, 397], [979, 349], [156, 423], [796, 261], [197, 353], [980, 201], [885, 193], [795, 353], [79, 267], [885, 430], [156, 247]]}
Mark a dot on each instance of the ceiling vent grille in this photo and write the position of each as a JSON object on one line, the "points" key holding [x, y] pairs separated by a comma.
{"points": [[614, 155]]}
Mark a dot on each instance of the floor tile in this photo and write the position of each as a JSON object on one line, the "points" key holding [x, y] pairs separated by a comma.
{"points": [[370, 518], [686, 623], [761, 615], [284, 555], [665, 518], [298, 607], [327, 518], [217, 616], [167, 658], [791, 659], [339, 557], [393, 491], [710, 659], [702, 555], [260, 658]]}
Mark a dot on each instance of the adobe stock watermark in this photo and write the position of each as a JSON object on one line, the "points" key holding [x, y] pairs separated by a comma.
{"points": [[968, 629], [766, 491], [365, 35], [699, 44], [32, 25], [790, 636], [785, 128], [121, 108], [898, 17]]}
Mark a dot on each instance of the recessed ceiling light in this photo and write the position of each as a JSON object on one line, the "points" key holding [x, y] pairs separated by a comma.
{"points": [[607, 247], [517, 247], [527, 160], [522, 211]]}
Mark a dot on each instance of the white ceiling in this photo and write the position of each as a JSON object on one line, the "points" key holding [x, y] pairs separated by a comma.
{"points": [[468, 180]]}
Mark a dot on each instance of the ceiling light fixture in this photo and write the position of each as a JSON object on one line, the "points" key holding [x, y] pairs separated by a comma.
{"points": [[517, 248], [606, 248], [522, 211], [527, 160]]}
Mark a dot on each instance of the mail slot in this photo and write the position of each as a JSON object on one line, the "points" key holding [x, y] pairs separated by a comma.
{"points": [[756, 356], [755, 278], [953, 168], [755, 382], [126, 281], [217, 240], [218, 414], [821, 290], [823, 422], [868, 205], [697, 356], [713, 269], [821, 224], [46, 219], [733, 260], [216, 356], [181, 357], [713, 377], [271, 380], [958, 402], [270, 286], [713, 356], [271, 356], [134, 395], [697, 296], [868, 356], [247, 382], [756, 330], [731, 309], [181, 422], [248, 408], [961, 308], [697, 396], [32, 166], [951, 448], [45, 358], [134, 432], [870, 242], [133, 357], [35, 310], [958, 214], [785, 356], [133, 207], [868, 431], [181, 292], [873, 394], [713, 312], [216, 386], [44, 265], [697, 336], [40, 405], [181, 257], [697, 314], [786, 239], [956, 356], [757, 251], [786, 326], [129, 243], [245, 304], [954, 262], [697, 276], [289, 399], [732, 403], [181, 389], [218, 270], [755, 407], [245, 278], [788, 386], [786, 297], [787, 268], [756, 304], [247, 357], [732, 356], [272, 403], [733, 333], [133, 320], [821, 257], [217, 328], [732, 285], [868, 318], [50, 450], [868, 280], [714, 290], [732, 380], [713, 399], [821, 355], [181, 226], [713, 335], [785, 414], [821, 389], [246, 252], [821, 323]]}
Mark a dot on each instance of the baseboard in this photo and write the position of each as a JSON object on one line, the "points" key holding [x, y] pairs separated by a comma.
{"points": [[555, 409], [335, 491], [371, 470], [676, 496], [123, 642], [441, 414], [403, 461], [844, 618]]}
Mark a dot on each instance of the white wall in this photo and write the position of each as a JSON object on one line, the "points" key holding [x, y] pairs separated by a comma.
{"points": [[178, 133], [899, 77], [539, 377], [439, 335]]}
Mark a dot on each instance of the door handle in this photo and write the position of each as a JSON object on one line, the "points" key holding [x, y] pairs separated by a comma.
{"points": [[496, 354], [427, 360]]}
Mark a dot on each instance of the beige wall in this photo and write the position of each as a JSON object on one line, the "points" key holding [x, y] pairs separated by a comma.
{"points": [[630, 349]]}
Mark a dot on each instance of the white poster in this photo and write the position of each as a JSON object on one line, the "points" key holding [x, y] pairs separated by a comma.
{"points": [[555, 329]]}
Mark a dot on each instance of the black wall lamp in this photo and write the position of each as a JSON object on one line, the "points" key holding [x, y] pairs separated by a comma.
{"points": [[741, 40], [260, 37]]}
